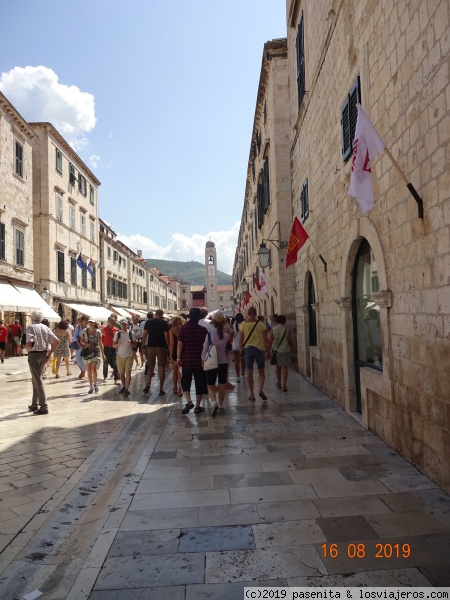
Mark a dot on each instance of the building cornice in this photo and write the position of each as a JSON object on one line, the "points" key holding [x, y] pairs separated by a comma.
{"points": [[68, 149], [19, 121]]}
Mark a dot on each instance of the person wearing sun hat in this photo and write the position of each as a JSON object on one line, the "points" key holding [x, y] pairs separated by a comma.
{"points": [[91, 338], [219, 337], [125, 341]]}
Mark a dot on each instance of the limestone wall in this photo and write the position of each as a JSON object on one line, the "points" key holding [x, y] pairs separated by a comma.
{"points": [[400, 51]]}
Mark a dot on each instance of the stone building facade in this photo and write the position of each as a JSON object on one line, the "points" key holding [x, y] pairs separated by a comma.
{"points": [[267, 212], [65, 214], [373, 330], [16, 196]]}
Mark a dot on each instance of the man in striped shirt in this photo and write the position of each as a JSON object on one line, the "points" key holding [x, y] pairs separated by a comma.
{"points": [[39, 337], [189, 352]]}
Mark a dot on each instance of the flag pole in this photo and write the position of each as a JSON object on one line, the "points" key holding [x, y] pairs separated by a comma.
{"points": [[409, 185], [320, 256]]}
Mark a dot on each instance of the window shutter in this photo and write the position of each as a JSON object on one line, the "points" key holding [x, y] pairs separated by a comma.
{"points": [[300, 51], [73, 270], [304, 202], [2, 241], [266, 184], [349, 114], [60, 257], [260, 202], [94, 278]]}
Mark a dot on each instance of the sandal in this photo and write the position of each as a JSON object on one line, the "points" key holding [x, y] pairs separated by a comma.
{"points": [[198, 409], [285, 389], [69, 373], [278, 384], [187, 408], [252, 398], [57, 376], [262, 395]]}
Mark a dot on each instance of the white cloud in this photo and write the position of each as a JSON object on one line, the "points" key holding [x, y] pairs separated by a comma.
{"points": [[94, 161], [184, 248], [39, 96]]}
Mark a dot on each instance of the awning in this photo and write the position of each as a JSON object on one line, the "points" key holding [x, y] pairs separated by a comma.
{"points": [[121, 311], [35, 301], [10, 297], [98, 312], [21, 299], [140, 313]]}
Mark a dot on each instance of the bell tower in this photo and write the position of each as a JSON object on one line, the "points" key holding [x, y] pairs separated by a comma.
{"points": [[212, 295]]}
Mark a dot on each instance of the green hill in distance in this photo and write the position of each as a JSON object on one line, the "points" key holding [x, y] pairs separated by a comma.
{"points": [[191, 272]]}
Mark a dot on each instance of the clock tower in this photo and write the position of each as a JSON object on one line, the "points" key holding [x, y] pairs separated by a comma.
{"points": [[212, 295]]}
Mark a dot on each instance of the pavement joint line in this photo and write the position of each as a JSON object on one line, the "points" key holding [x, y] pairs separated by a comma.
{"points": [[88, 574], [38, 520]]}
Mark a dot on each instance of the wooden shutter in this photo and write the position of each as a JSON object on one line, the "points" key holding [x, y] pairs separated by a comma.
{"points": [[349, 114], [60, 257], [73, 270], [304, 202], [2, 241], [266, 185], [300, 52]]}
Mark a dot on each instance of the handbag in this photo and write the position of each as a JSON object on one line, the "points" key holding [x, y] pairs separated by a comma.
{"points": [[273, 358], [54, 365], [210, 361], [86, 352]]}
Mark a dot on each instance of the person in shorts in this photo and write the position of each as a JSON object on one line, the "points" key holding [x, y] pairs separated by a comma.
{"points": [[3, 338], [125, 343], [156, 338], [256, 347], [218, 337], [16, 330]]}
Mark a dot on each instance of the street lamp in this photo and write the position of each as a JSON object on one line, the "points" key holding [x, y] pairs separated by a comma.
{"points": [[244, 285], [263, 255], [45, 295]]}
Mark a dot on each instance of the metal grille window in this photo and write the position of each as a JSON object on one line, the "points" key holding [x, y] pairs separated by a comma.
{"points": [[72, 216], [84, 277], [2, 241], [83, 224], [60, 265], [82, 184], [19, 159], [59, 208], [304, 202], [59, 163], [73, 270], [300, 53], [91, 194], [349, 114], [20, 248]]}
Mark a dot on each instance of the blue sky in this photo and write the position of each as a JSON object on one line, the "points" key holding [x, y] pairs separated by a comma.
{"points": [[158, 99]]}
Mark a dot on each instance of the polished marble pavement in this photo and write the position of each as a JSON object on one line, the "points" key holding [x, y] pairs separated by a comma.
{"points": [[112, 499]]}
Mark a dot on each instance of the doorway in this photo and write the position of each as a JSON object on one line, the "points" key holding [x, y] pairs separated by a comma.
{"points": [[367, 338]]}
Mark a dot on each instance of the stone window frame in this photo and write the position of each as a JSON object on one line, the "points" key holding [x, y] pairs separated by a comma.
{"points": [[72, 217], [60, 266]]}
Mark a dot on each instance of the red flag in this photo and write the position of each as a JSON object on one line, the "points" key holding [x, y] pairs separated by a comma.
{"points": [[247, 298], [256, 282], [297, 238]]}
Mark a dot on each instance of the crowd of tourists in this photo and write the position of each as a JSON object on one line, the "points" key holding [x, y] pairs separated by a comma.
{"points": [[196, 346]]}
